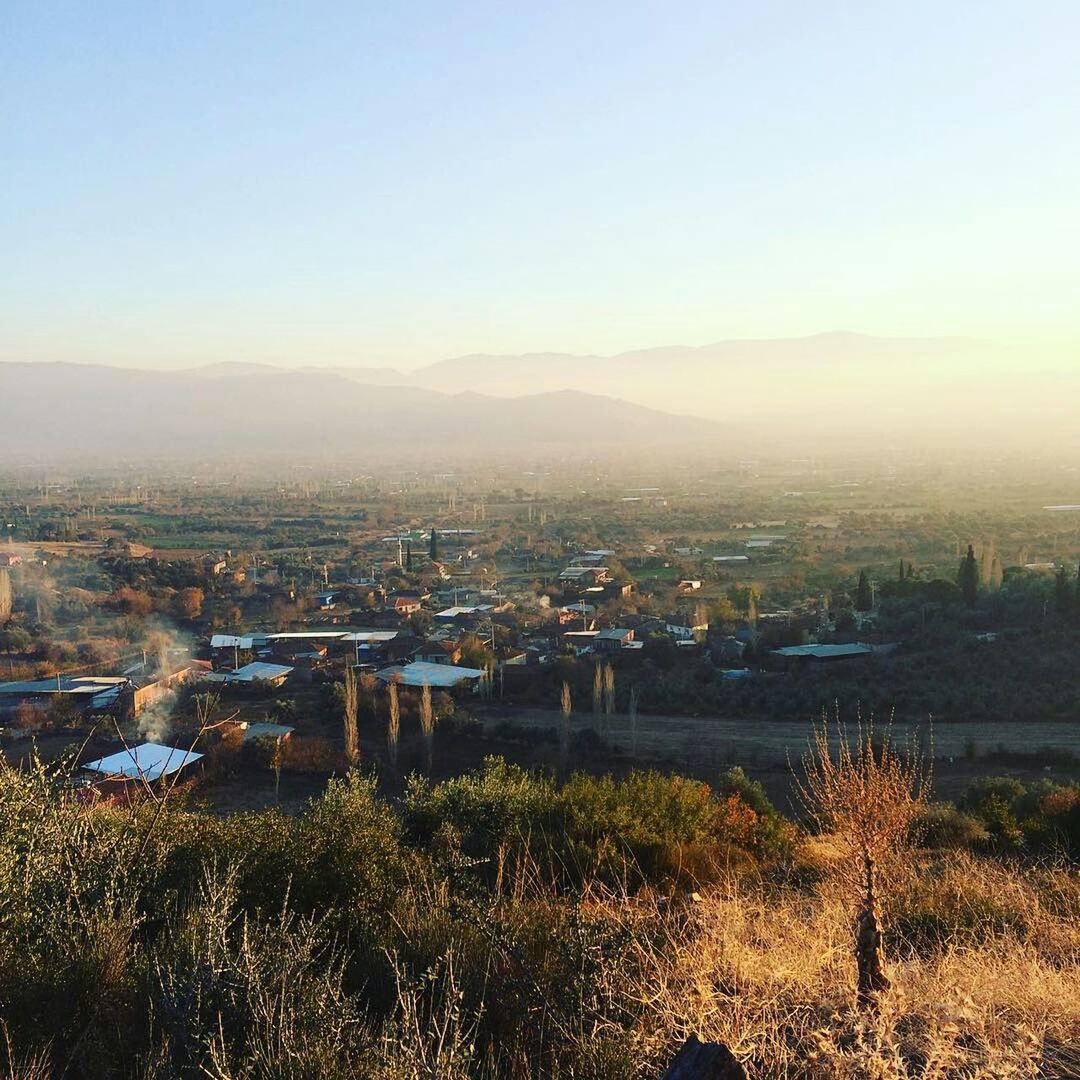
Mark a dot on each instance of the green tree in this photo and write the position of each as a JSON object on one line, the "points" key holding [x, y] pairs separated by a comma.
{"points": [[433, 547]]}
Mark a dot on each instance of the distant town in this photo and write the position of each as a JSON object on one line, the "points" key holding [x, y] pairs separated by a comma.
{"points": [[689, 623]]}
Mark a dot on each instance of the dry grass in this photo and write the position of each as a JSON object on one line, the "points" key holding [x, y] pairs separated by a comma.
{"points": [[772, 977]]}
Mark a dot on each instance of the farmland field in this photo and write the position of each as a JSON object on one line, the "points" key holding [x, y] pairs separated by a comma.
{"points": [[764, 748]]}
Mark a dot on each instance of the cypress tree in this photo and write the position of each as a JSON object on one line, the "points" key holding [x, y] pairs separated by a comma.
{"points": [[433, 547], [408, 556], [864, 599], [968, 577]]}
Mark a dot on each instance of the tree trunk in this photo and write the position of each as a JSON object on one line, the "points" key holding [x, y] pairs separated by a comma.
{"points": [[869, 954]]}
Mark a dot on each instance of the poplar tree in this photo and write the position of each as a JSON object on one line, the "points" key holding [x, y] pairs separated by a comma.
{"points": [[350, 707], [5, 594]]}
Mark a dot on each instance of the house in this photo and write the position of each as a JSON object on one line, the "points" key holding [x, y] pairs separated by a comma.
{"points": [[581, 641], [689, 585], [614, 638], [688, 629], [225, 649], [582, 577], [403, 605], [309, 653], [214, 565], [580, 614], [765, 541], [89, 694], [145, 690], [146, 764], [265, 730], [823, 653], [257, 672], [614, 590], [437, 676], [439, 652], [511, 656], [731, 558], [326, 601], [463, 613]]}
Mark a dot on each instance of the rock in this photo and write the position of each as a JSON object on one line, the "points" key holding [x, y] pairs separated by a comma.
{"points": [[704, 1061]]}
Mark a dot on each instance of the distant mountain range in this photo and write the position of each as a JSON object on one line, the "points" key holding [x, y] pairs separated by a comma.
{"points": [[669, 376], [824, 386], [253, 412]]}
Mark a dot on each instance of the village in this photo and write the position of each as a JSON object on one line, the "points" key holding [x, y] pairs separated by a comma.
{"points": [[560, 653]]}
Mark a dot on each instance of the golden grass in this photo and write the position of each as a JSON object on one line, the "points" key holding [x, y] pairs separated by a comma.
{"points": [[772, 975]]}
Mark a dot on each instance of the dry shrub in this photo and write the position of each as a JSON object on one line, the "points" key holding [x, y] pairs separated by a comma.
{"points": [[869, 794]]}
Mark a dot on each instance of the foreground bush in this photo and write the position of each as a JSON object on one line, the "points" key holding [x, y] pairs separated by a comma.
{"points": [[649, 828], [165, 943]]}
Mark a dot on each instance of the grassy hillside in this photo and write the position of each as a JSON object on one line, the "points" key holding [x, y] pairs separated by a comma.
{"points": [[501, 925]]}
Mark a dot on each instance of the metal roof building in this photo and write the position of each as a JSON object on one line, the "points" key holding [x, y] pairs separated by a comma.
{"points": [[148, 761], [824, 652], [88, 692], [256, 672], [419, 673]]}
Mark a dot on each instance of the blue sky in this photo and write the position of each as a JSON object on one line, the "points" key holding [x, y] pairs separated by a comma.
{"points": [[396, 183]]}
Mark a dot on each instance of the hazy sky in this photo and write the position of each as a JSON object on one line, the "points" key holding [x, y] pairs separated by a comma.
{"points": [[398, 182]]}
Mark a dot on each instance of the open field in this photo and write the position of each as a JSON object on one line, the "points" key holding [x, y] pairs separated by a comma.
{"points": [[702, 746]]}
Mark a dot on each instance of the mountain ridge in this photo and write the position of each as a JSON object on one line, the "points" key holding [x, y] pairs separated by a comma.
{"points": [[65, 407]]}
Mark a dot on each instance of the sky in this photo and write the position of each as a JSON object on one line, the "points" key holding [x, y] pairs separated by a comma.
{"points": [[355, 183]]}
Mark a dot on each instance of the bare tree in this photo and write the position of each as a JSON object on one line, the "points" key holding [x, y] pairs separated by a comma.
{"points": [[350, 707], [427, 724], [869, 795], [393, 725]]}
